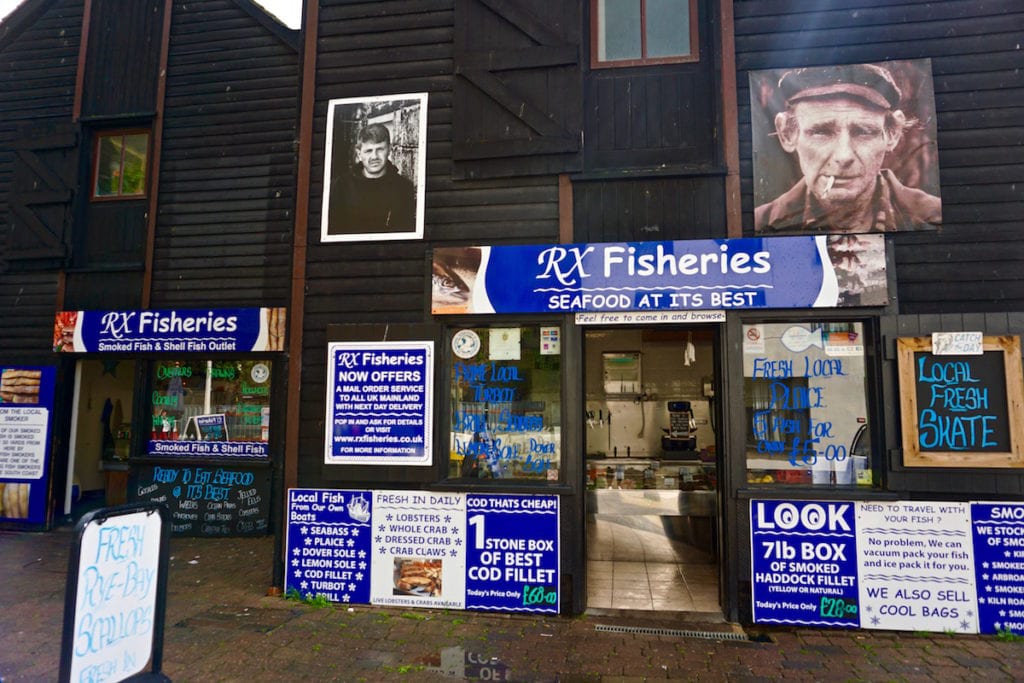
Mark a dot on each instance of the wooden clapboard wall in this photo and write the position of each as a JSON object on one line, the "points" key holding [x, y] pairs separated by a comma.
{"points": [[653, 167], [973, 263], [38, 162], [227, 164], [120, 71], [393, 47]]}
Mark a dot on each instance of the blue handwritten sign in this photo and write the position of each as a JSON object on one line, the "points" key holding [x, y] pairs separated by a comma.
{"points": [[785, 425], [379, 403], [176, 330], [114, 607], [804, 563], [998, 534], [961, 402], [512, 553], [329, 544], [749, 273]]}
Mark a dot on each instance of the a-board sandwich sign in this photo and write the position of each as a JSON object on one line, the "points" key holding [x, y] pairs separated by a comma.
{"points": [[116, 595]]}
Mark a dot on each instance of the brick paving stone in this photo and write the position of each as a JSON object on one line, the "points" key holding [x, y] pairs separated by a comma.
{"points": [[221, 605]]}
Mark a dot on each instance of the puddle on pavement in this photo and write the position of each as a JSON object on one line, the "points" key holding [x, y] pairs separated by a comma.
{"points": [[457, 662]]}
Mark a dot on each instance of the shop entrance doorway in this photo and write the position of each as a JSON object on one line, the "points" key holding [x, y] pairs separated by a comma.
{"points": [[100, 434], [652, 466]]}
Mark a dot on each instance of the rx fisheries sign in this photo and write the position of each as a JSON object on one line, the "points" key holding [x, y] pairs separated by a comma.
{"points": [[379, 403]]}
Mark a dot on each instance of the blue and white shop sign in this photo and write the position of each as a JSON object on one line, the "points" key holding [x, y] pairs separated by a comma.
{"points": [[821, 271], [176, 330]]}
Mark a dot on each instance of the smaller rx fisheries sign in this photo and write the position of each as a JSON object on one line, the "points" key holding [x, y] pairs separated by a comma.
{"points": [[379, 403]]}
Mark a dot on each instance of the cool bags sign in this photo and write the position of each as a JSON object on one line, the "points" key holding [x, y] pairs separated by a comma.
{"points": [[189, 331], [776, 272], [906, 565]]}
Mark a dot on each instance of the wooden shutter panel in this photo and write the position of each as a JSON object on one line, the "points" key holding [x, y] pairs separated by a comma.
{"points": [[40, 197], [518, 87]]}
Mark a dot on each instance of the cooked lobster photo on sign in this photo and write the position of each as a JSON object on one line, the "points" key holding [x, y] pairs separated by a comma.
{"points": [[417, 577]]}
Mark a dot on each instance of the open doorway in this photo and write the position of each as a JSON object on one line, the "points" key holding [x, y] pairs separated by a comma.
{"points": [[100, 434], [652, 465]]}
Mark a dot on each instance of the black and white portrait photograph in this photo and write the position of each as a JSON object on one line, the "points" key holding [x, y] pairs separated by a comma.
{"points": [[375, 168], [845, 149]]}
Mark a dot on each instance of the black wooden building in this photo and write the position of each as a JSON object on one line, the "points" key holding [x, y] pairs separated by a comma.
{"points": [[538, 133], [147, 162], [543, 123]]}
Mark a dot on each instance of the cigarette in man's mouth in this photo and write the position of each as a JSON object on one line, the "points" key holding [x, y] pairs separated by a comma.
{"points": [[830, 180]]}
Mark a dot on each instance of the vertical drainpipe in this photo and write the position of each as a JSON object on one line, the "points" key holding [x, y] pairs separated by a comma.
{"points": [[727, 510], [296, 308], [730, 123], [155, 146]]}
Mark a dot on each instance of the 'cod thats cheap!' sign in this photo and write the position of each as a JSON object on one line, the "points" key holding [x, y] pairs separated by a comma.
{"points": [[906, 565], [440, 550]]}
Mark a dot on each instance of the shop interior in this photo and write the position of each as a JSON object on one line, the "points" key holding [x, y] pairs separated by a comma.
{"points": [[652, 469], [100, 433]]}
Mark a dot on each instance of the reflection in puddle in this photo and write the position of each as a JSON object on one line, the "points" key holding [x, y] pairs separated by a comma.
{"points": [[456, 662]]}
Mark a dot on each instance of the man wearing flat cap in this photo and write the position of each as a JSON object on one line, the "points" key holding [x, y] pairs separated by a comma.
{"points": [[841, 122]]}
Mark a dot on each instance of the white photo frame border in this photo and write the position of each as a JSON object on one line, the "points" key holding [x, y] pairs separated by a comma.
{"points": [[421, 171]]}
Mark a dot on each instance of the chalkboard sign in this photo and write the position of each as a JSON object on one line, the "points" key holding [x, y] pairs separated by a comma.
{"points": [[115, 598], [207, 500], [961, 410]]}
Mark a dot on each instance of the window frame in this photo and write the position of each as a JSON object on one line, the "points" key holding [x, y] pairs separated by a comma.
{"points": [[98, 137], [595, 33], [445, 416], [873, 401]]}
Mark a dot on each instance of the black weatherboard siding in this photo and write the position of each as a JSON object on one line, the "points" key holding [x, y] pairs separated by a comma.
{"points": [[39, 52], [653, 167], [123, 56], [227, 168], [972, 263], [385, 48]]}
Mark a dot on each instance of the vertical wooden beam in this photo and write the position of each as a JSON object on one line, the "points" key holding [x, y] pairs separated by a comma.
{"points": [[296, 309], [83, 51], [565, 228], [730, 122], [155, 145]]}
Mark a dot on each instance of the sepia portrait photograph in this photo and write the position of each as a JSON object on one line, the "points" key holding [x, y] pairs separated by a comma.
{"points": [[845, 149], [374, 168]]}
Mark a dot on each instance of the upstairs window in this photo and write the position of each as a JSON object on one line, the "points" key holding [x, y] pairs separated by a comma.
{"points": [[641, 32], [121, 164]]}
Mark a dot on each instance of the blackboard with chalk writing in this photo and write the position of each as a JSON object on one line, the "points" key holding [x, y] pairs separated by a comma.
{"points": [[207, 500], [961, 410]]}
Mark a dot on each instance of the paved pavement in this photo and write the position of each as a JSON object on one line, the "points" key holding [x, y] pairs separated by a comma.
{"points": [[221, 626]]}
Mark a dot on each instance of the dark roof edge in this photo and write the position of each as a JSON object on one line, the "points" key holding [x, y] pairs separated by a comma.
{"points": [[288, 36], [14, 24]]}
